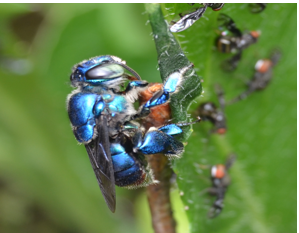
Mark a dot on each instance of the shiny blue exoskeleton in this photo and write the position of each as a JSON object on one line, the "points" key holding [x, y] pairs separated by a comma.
{"points": [[104, 119]]}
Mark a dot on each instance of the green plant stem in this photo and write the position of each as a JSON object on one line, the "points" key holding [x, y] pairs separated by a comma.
{"points": [[170, 59]]}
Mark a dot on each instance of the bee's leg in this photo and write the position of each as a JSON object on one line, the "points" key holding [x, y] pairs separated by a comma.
{"points": [[161, 140], [162, 96], [132, 91], [133, 88]]}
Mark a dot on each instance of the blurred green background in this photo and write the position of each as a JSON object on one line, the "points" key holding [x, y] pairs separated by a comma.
{"points": [[46, 180]]}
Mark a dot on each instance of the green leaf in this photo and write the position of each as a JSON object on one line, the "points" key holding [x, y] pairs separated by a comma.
{"points": [[170, 59], [261, 128]]}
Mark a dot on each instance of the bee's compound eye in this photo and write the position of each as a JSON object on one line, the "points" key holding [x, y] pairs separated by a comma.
{"points": [[105, 71]]}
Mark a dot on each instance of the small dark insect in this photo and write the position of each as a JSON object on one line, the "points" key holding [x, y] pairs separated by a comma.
{"points": [[209, 111], [220, 182], [262, 76], [187, 19], [257, 7], [215, 6], [232, 40]]}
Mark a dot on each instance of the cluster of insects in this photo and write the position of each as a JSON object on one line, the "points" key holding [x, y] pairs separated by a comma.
{"points": [[188, 18], [230, 40], [118, 137]]}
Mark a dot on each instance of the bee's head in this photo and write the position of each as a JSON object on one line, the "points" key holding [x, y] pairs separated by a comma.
{"points": [[102, 70]]}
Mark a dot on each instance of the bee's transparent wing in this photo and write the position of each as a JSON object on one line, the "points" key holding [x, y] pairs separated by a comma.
{"points": [[99, 154]]}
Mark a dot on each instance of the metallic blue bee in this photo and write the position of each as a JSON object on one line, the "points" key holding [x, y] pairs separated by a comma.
{"points": [[103, 118]]}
